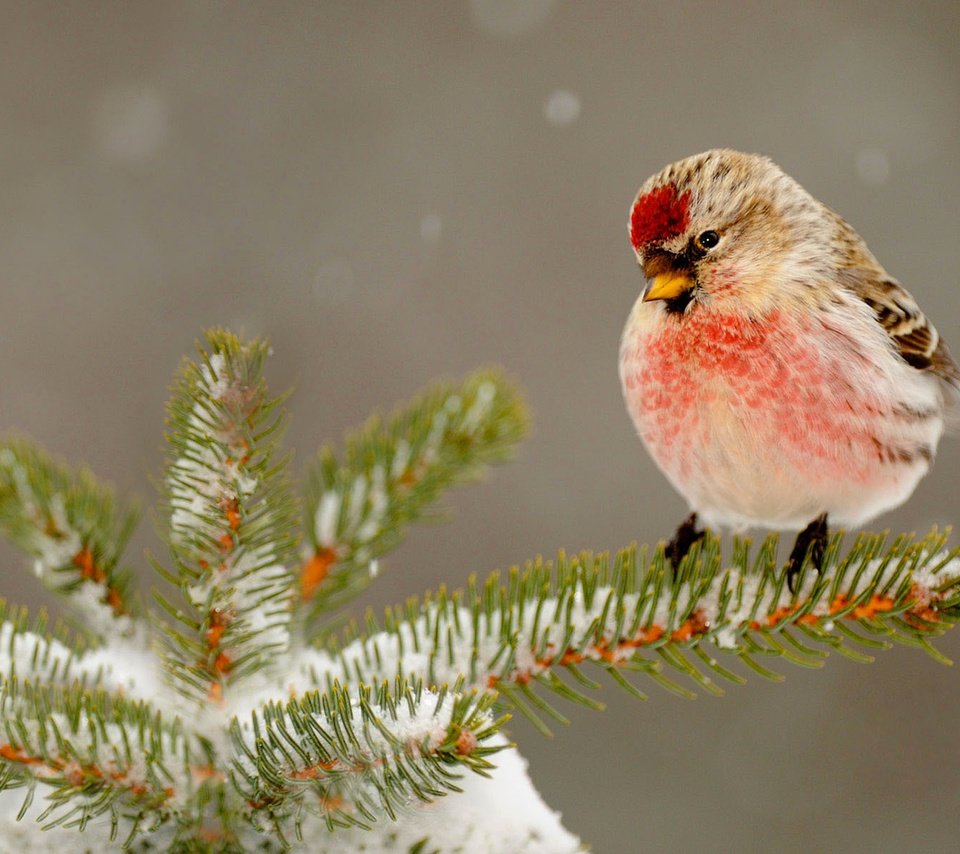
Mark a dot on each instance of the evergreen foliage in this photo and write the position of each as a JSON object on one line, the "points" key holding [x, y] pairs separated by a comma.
{"points": [[231, 517], [633, 614], [72, 526], [393, 471], [232, 717]]}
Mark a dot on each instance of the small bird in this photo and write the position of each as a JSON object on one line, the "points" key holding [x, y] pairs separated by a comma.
{"points": [[776, 373]]}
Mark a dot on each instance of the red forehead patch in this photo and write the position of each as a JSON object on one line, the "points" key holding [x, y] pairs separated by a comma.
{"points": [[659, 215]]}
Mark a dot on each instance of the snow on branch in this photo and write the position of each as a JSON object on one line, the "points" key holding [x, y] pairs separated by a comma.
{"points": [[358, 757], [515, 638], [393, 470], [231, 519], [74, 529], [87, 753], [498, 812], [29, 653]]}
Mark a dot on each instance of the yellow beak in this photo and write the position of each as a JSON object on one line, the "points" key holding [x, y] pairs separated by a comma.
{"points": [[667, 286]]}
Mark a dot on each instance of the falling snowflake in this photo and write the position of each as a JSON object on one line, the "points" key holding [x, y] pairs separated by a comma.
{"points": [[562, 108]]}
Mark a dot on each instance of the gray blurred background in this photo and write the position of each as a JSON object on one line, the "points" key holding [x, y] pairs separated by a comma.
{"points": [[397, 191]]}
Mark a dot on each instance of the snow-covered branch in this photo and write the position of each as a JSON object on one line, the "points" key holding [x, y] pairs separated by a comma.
{"points": [[87, 753], [392, 473], [231, 525], [518, 636], [75, 531], [356, 757]]}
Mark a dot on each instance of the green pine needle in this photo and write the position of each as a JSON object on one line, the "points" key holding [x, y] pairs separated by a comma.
{"points": [[70, 523], [392, 473], [231, 514], [339, 754], [631, 614]]}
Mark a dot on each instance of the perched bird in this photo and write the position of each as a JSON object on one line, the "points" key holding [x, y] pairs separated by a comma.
{"points": [[776, 373]]}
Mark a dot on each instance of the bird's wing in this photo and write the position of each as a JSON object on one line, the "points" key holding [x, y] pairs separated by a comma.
{"points": [[914, 336]]}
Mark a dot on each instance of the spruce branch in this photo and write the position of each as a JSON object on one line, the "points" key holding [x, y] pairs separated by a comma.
{"points": [[356, 756], [90, 753], [75, 530], [392, 472], [630, 615], [231, 516]]}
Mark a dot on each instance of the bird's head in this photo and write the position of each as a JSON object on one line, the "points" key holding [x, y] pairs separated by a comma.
{"points": [[722, 227]]}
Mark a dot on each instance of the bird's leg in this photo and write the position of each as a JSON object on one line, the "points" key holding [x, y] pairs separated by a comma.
{"points": [[814, 539], [687, 535]]}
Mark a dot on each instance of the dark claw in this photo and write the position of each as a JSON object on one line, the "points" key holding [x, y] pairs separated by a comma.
{"points": [[814, 539], [685, 538]]}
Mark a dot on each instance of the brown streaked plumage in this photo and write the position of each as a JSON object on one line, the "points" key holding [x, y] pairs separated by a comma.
{"points": [[914, 336]]}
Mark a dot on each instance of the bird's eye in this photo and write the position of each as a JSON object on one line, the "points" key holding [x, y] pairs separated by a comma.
{"points": [[707, 240]]}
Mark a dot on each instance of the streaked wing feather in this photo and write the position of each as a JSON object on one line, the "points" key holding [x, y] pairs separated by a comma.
{"points": [[896, 310], [914, 336]]}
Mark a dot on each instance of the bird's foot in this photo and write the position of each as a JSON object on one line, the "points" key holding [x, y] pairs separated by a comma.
{"points": [[813, 540], [686, 537]]}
